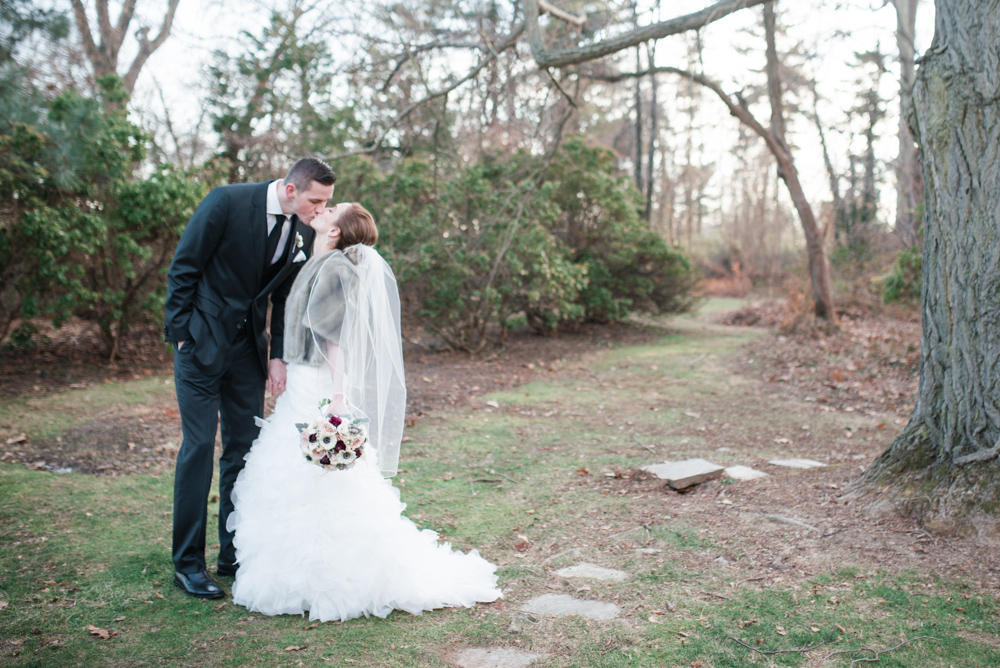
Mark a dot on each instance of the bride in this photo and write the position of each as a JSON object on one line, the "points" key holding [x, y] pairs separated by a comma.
{"points": [[334, 543]]}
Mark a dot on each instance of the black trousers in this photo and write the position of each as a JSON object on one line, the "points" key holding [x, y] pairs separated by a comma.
{"points": [[236, 394]]}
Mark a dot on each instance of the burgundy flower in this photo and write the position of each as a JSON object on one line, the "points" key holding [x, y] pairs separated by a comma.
{"points": [[325, 461], [312, 438], [340, 447], [357, 452], [335, 420]]}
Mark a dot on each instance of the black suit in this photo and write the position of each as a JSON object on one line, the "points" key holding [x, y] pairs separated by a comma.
{"points": [[218, 288]]}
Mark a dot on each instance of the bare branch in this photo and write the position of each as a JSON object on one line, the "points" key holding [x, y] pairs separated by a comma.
{"points": [[563, 57], [128, 10], [146, 48], [83, 25], [562, 14], [511, 40]]}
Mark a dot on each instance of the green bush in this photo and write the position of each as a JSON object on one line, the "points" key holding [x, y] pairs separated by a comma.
{"points": [[512, 239], [85, 236], [902, 283]]}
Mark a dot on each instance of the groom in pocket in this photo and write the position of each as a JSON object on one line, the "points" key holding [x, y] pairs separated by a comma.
{"points": [[244, 244]]}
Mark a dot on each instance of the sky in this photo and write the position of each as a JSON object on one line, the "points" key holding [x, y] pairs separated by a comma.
{"points": [[832, 29]]}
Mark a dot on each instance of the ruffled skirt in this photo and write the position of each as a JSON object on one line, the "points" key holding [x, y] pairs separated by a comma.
{"points": [[334, 544]]}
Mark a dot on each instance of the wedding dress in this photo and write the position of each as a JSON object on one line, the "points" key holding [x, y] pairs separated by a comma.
{"points": [[327, 543]]}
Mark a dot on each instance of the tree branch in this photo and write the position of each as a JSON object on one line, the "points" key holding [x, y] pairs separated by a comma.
{"points": [[83, 25], [563, 57], [128, 10], [146, 48], [561, 14], [515, 35]]}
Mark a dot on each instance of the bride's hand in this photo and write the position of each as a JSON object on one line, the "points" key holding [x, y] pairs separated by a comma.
{"points": [[277, 376]]}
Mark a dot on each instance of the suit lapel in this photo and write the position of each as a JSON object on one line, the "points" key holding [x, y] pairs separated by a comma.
{"points": [[299, 231], [258, 222]]}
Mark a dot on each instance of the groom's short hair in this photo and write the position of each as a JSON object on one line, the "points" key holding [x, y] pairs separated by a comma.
{"points": [[307, 170]]}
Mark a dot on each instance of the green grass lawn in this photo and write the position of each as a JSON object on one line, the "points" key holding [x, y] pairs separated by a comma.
{"points": [[82, 556]]}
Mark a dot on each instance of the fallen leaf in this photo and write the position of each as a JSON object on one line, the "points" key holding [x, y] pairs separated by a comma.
{"points": [[100, 633], [583, 470], [311, 626], [20, 438], [521, 547], [655, 620], [3, 604], [492, 403], [692, 414], [841, 628], [159, 595], [781, 630], [118, 619], [814, 629], [295, 648], [781, 441]]}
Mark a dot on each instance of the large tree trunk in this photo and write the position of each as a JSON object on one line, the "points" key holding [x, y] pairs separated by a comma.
{"points": [[943, 468], [909, 184]]}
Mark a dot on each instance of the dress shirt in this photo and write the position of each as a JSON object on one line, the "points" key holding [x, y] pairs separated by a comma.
{"points": [[274, 209]]}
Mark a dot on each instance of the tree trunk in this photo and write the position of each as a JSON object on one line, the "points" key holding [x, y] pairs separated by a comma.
{"points": [[638, 123], [819, 268], [909, 182], [942, 469]]}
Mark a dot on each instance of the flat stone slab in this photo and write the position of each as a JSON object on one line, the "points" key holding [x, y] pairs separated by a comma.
{"points": [[497, 657], [686, 473], [593, 572], [740, 472], [796, 463], [563, 605]]}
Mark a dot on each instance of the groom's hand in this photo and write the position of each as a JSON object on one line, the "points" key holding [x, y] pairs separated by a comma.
{"points": [[277, 374]]}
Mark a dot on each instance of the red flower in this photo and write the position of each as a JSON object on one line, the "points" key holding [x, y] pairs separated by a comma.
{"points": [[325, 461], [340, 447], [335, 420]]}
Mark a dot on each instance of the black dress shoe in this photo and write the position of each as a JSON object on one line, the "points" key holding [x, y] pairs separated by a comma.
{"points": [[198, 585], [227, 570]]}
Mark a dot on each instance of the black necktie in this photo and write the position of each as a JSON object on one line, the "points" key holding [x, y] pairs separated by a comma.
{"points": [[273, 237]]}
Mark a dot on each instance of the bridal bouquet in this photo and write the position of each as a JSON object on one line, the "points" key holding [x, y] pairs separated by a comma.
{"points": [[333, 441]]}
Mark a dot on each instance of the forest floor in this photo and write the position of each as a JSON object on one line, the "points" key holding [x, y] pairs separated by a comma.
{"points": [[532, 454]]}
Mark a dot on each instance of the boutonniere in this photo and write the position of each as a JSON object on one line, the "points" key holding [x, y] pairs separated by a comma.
{"points": [[298, 240]]}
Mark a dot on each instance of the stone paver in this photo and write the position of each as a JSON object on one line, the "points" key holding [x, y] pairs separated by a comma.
{"points": [[495, 657], [562, 605], [796, 463], [592, 571], [680, 475], [740, 472]]}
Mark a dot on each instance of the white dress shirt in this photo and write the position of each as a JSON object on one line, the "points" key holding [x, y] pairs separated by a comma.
{"points": [[274, 209]]}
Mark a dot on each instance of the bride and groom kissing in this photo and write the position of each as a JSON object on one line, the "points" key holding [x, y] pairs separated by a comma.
{"points": [[297, 538]]}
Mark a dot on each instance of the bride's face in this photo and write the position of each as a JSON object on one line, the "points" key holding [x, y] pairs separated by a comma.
{"points": [[325, 224]]}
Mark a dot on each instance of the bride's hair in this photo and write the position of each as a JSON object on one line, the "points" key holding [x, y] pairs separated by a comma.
{"points": [[356, 227]]}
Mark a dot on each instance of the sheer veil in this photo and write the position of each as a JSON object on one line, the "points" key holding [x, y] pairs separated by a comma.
{"points": [[353, 314]]}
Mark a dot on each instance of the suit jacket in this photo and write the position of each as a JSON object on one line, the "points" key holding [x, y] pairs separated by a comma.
{"points": [[214, 281]]}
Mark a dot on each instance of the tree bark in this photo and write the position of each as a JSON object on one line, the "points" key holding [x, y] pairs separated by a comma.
{"points": [[942, 469], [909, 182]]}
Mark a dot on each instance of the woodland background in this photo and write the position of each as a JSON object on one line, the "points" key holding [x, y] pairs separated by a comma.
{"points": [[507, 194]]}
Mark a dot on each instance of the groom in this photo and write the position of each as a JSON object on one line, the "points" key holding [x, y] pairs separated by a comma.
{"points": [[244, 243]]}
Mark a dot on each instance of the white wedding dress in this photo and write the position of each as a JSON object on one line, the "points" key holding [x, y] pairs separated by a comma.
{"points": [[334, 544]]}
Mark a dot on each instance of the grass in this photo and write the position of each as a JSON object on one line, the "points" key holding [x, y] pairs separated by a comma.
{"points": [[49, 415], [521, 484]]}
